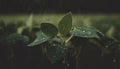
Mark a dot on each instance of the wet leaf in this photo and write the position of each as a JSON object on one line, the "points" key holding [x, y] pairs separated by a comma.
{"points": [[65, 24], [56, 52], [49, 29], [87, 32], [17, 38], [41, 38], [56, 39]]}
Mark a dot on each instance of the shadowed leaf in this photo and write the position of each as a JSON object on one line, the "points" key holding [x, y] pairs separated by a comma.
{"points": [[87, 32], [17, 38], [65, 24], [56, 52], [49, 29], [41, 38]]}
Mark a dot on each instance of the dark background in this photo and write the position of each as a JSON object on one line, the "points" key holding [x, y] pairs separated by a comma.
{"points": [[59, 6]]}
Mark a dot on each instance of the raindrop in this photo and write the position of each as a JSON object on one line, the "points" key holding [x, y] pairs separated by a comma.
{"points": [[68, 65], [89, 33], [54, 44], [83, 31], [107, 46], [43, 38], [114, 60]]}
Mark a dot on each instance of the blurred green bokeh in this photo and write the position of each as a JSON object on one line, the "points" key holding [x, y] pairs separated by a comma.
{"points": [[106, 23]]}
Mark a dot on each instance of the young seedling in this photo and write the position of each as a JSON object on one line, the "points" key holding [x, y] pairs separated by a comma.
{"points": [[60, 39]]}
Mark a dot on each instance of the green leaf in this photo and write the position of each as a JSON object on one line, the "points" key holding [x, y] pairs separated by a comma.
{"points": [[104, 24], [56, 52], [17, 38], [41, 38], [87, 32], [56, 39], [65, 24], [49, 29]]}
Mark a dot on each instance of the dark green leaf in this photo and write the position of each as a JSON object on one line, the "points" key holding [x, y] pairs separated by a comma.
{"points": [[49, 29], [104, 24], [65, 24], [2, 24], [56, 39], [87, 32], [56, 52], [41, 38], [17, 38], [11, 28]]}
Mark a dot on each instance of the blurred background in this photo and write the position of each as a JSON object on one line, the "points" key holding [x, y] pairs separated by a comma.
{"points": [[59, 6], [98, 13]]}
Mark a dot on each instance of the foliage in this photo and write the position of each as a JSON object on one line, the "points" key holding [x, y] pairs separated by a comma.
{"points": [[41, 38], [55, 52], [60, 38], [17, 38], [63, 43], [87, 32], [49, 29], [65, 24]]}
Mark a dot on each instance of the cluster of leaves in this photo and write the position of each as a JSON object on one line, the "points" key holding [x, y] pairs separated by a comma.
{"points": [[58, 40], [61, 38], [13, 33], [14, 38], [8, 34]]}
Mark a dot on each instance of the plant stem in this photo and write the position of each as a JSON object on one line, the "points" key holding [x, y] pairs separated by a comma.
{"points": [[61, 38], [64, 62], [44, 50], [78, 57], [69, 39]]}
